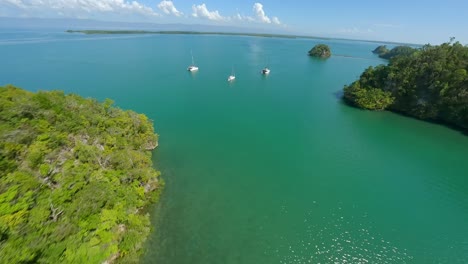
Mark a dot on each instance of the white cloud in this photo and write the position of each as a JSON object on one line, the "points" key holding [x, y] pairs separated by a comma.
{"points": [[260, 14], [125, 10], [275, 20], [81, 8], [17, 3], [200, 11], [168, 8], [240, 17]]}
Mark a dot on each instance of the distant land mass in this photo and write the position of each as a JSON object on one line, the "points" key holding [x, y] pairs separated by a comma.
{"points": [[267, 35], [90, 24], [68, 23], [387, 54], [109, 32]]}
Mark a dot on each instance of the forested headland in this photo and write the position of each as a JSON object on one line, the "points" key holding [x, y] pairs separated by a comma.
{"points": [[430, 83], [387, 54], [75, 177]]}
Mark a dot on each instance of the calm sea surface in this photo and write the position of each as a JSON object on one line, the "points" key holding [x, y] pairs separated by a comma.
{"points": [[269, 169]]}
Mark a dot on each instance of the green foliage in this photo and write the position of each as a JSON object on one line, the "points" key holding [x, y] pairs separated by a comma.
{"points": [[369, 98], [75, 175], [380, 50], [384, 53], [431, 83], [320, 51]]}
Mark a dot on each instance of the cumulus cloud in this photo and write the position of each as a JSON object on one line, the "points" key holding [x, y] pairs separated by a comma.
{"points": [[260, 13], [124, 10], [81, 8], [259, 16], [201, 11], [17, 3], [168, 8], [275, 20], [239, 17]]}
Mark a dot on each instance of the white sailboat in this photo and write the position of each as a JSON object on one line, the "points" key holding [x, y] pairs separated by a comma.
{"points": [[266, 70], [232, 77], [192, 68]]}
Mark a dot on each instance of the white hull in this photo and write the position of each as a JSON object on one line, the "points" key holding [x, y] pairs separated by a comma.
{"points": [[266, 71], [192, 67], [231, 78]]}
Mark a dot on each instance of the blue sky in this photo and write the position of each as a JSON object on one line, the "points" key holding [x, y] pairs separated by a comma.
{"points": [[417, 21]]}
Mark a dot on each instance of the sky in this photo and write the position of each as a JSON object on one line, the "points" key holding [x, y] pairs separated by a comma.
{"points": [[410, 21]]}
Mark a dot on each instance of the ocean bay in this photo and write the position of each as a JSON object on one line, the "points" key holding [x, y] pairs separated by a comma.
{"points": [[269, 169]]}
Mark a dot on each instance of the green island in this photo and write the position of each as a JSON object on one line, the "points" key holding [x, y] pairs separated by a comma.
{"points": [[430, 83], [387, 54], [75, 178], [382, 49], [320, 51]]}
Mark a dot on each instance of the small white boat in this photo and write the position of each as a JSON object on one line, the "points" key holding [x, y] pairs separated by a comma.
{"points": [[266, 71], [192, 68], [232, 77]]}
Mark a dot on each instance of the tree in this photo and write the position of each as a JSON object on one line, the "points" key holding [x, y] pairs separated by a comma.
{"points": [[75, 175], [397, 51], [320, 51], [430, 84], [380, 50]]}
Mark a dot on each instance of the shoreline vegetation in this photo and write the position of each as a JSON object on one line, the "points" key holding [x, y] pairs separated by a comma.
{"points": [[75, 178], [430, 84], [186, 32], [384, 53]]}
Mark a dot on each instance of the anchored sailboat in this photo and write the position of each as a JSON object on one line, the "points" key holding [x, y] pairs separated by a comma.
{"points": [[232, 77], [266, 70], [192, 68]]}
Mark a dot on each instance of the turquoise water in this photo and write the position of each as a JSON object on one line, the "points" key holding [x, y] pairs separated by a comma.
{"points": [[269, 169]]}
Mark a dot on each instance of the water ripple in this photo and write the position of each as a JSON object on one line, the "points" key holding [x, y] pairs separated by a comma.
{"points": [[339, 240]]}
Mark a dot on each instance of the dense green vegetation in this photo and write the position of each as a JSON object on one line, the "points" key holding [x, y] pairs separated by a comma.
{"points": [[385, 53], [430, 83], [75, 177], [320, 51], [382, 49]]}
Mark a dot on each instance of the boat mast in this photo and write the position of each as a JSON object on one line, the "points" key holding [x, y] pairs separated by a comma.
{"points": [[193, 63]]}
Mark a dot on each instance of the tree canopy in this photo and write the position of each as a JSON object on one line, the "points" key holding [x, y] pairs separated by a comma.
{"points": [[320, 51], [385, 53], [430, 83], [381, 50], [75, 176]]}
